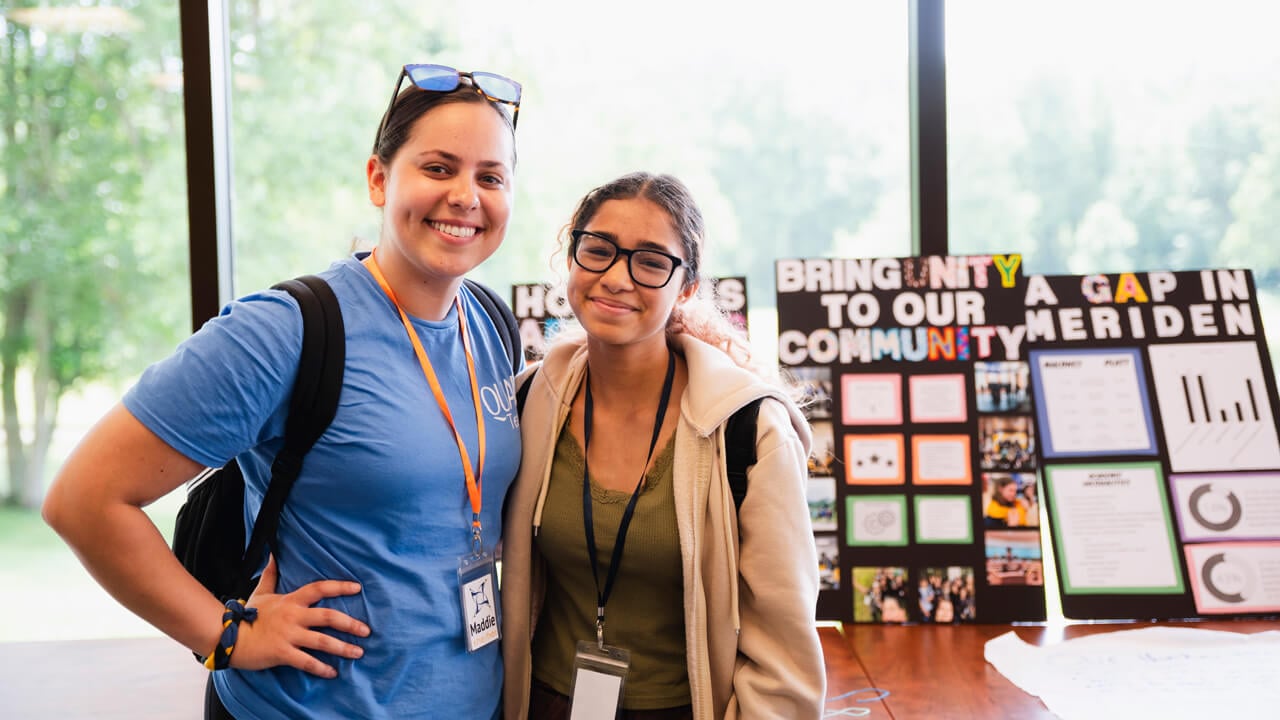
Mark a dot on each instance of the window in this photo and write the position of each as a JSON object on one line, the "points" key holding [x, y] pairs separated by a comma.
{"points": [[1088, 137], [93, 268], [791, 130], [1104, 137], [1108, 137]]}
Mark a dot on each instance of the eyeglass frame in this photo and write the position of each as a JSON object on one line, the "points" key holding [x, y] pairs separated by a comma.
{"points": [[619, 252], [404, 73]]}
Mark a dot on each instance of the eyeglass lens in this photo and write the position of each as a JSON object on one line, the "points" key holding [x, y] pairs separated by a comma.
{"points": [[652, 269]]}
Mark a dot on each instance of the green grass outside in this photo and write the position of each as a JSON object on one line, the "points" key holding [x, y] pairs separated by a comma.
{"points": [[49, 595], [23, 529]]}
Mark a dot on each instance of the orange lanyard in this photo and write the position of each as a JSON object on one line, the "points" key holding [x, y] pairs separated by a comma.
{"points": [[474, 479]]}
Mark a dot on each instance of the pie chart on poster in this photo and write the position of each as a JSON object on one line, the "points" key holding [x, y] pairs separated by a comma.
{"points": [[1228, 582], [1214, 511]]}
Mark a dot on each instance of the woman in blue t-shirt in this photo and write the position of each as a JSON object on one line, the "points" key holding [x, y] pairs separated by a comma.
{"points": [[364, 610]]}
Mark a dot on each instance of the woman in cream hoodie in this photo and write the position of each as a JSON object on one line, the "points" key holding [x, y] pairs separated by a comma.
{"points": [[714, 605]]}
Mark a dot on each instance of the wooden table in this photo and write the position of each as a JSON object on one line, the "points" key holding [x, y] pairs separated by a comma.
{"points": [[938, 671], [929, 671]]}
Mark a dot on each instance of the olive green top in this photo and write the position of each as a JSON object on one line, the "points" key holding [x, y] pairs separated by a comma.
{"points": [[645, 613]]}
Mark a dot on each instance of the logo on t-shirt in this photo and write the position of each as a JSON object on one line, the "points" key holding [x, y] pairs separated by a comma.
{"points": [[499, 400]]}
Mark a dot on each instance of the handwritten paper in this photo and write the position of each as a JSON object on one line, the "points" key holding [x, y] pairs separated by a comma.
{"points": [[1165, 672]]}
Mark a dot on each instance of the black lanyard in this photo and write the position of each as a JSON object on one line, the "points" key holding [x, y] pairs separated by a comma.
{"points": [[588, 525]]}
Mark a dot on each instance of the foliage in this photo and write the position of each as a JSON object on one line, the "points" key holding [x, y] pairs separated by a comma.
{"points": [[1082, 185], [74, 149], [300, 139], [1076, 191], [1254, 207], [793, 182], [93, 261]]}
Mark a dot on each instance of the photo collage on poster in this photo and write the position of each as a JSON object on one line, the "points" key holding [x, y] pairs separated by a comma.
{"points": [[1007, 460], [815, 403], [540, 308], [923, 484], [1155, 403]]}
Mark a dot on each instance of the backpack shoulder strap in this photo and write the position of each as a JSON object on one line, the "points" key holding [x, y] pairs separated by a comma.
{"points": [[523, 391], [312, 406], [740, 448], [502, 317]]}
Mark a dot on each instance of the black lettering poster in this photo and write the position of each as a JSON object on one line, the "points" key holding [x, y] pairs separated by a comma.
{"points": [[1155, 414], [923, 488]]}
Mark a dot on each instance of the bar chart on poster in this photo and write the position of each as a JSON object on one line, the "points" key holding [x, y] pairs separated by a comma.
{"points": [[1215, 411]]}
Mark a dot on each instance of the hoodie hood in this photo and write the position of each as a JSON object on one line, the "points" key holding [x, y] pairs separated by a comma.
{"points": [[718, 387]]}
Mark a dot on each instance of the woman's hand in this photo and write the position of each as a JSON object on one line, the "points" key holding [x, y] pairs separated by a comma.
{"points": [[286, 626]]}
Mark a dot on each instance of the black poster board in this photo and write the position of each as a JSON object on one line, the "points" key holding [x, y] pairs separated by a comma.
{"points": [[1156, 402], [539, 310], [919, 387]]}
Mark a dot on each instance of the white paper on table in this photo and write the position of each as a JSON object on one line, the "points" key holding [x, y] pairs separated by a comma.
{"points": [[1164, 672]]}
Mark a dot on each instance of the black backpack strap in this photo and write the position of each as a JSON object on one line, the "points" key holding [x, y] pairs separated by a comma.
{"points": [[523, 391], [311, 408], [740, 448], [503, 318]]}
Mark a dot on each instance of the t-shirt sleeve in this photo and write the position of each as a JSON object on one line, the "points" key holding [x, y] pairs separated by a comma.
{"points": [[226, 388]]}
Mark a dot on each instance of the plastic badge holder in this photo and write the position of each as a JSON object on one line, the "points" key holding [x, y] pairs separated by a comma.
{"points": [[599, 673], [478, 592]]}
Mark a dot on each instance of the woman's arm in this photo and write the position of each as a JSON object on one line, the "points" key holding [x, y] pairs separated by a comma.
{"points": [[780, 670], [95, 504]]}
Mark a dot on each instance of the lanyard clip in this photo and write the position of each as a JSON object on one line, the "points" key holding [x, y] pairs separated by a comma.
{"points": [[600, 627], [477, 545]]}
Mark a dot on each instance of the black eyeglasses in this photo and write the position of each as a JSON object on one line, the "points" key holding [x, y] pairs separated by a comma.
{"points": [[442, 78], [597, 253]]}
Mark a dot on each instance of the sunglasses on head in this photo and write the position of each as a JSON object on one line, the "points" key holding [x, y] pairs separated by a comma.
{"points": [[442, 78]]}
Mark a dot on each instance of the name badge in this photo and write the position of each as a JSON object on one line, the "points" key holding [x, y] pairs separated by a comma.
{"points": [[478, 592], [598, 676]]}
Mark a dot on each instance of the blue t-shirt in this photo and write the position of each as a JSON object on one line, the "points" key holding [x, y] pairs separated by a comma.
{"points": [[381, 499]]}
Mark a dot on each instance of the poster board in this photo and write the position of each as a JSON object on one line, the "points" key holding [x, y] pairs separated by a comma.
{"points": [[1155, 414], [921, 408]]}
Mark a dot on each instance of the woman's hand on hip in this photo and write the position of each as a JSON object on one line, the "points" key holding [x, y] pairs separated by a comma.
{"points": [[287, 625]]}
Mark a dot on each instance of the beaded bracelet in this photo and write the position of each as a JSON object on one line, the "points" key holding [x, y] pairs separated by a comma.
{"points": [[220, 658]]}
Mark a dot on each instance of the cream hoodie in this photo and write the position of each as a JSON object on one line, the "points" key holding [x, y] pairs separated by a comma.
{"points": [[750, 577]]}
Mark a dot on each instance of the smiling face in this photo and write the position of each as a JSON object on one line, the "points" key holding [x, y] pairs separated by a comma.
{"points": [[446, 195], [613, 308]]}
